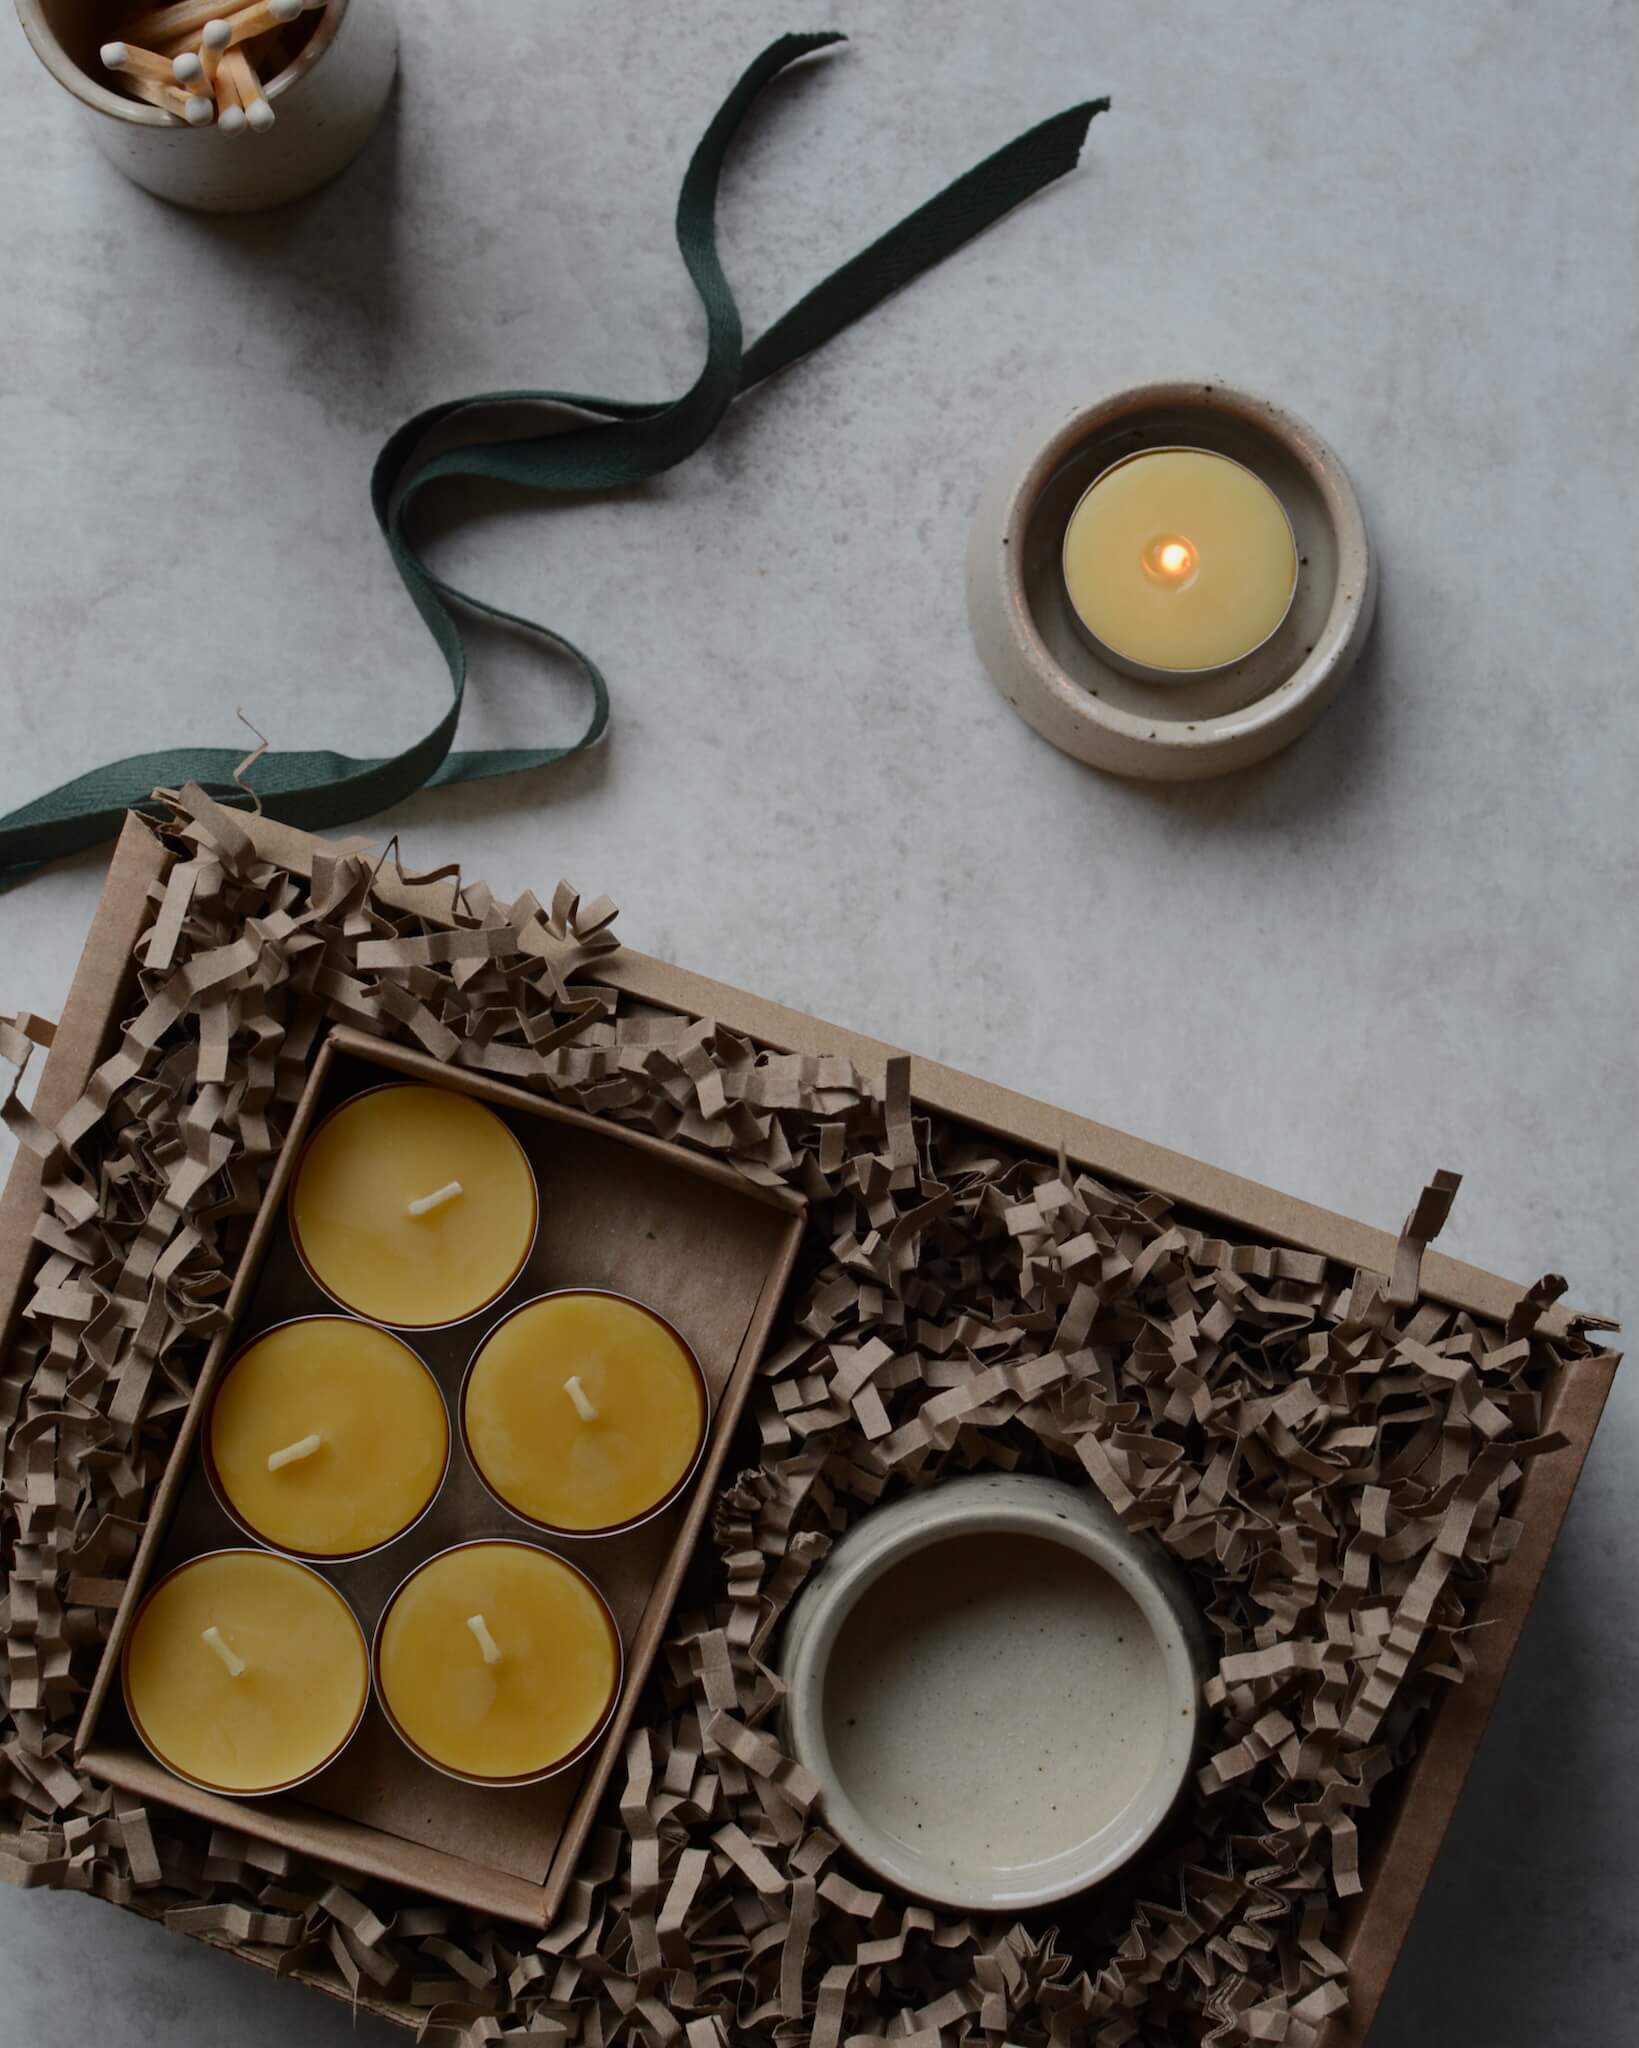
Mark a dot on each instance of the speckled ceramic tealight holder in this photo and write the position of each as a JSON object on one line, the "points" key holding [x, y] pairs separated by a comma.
{"points": [[1193, 726], [997, 1687]]}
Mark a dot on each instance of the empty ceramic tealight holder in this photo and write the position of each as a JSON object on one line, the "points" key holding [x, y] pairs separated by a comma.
{"points": [[1184, 717], [997, 1687]]}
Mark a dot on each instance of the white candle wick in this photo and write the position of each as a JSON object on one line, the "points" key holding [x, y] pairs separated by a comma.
{"points": [[303, 1448], [235, 1663], [582, 1400], [424, 1205], [485, 1641]]}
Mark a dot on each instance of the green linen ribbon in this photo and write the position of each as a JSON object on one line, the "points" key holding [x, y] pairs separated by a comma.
{"points": [[624, 444]]}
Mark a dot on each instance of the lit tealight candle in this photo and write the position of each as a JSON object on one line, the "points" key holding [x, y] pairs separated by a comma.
{"points": [[245, 1673], [584, 1412], [327, 1437], [498, 1662], [1178, 561], [414, 1206]]}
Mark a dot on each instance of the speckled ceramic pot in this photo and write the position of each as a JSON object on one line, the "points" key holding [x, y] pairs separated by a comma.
{"points": [[327, 100], [997, 1686], [1074, 695]]}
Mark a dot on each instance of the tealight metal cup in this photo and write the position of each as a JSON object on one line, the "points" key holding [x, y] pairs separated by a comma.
{"points": [[674, 1494], [1150, 672], [383, 1322], [582, 1748], [207, 1453], [205, 1784]]}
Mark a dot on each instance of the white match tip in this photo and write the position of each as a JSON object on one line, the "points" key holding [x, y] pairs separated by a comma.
{"points": [[216, 35], [284, 10], [260, 116], [232, 121], [186, 68], [200, 110], [116, 55]]}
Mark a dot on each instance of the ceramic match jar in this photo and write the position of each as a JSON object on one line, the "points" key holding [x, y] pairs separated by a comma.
{"points": [[498, 1663], [1171, 583], [413, 1206], [326, 1438], [245, 1673], [323, 96], [584, 1413], [997, 1687]]}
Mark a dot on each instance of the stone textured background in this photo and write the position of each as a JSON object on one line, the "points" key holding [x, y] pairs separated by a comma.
{"points": [[1408, 942]]}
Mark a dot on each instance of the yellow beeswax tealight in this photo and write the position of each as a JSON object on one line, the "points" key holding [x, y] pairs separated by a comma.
{"points": [[414, 1206], [584, 1412], [498, 1662], [327, 1437], [245, 1673], [1179, 560]]}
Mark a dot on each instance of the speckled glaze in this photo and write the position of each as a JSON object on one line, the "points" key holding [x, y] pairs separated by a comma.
{"points": [[1071, 691], [998, 1688], [327, 100]]}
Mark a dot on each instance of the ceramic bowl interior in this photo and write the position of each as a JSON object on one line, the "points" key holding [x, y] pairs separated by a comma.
{"points": [[985, 1847]]}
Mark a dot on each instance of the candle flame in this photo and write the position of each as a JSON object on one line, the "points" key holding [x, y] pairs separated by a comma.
{"points": [[486, 1642], [1171, 561]]}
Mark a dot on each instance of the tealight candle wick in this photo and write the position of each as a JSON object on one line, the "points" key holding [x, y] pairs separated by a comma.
{"points": [[230, 1657], [583, 1403], [424, 1205], [303, 1448], [485, 1641]]}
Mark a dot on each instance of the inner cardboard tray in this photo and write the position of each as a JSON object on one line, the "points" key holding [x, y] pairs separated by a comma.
{"points": [[1412, 1812], [618, 1209]]}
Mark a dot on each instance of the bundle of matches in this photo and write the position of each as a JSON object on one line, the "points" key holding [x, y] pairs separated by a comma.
{"points": [[202, 65]]}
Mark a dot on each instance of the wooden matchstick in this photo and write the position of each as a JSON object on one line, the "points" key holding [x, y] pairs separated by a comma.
{"points": [[186, 18], [133, 61], [240, 73], [198, 109], [260, 19], [214, 38]]}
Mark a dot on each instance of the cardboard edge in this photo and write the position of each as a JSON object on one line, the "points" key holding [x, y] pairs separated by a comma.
{"points": [[105, 969], [657, 1614], [496, 1088], [330, 1838], [1432, 1785], [164, 1497], [986, 1105], [358, 1846]]}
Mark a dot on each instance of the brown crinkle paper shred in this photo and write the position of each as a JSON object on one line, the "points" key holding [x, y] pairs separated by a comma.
{"points": [[1328, 1457]]}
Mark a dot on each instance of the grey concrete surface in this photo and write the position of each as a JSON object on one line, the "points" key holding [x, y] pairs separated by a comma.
{"points": [[1409, 942]]}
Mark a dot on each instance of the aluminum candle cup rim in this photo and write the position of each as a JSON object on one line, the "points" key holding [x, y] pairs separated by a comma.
{"points": [[588, 1742], [1055, 1512], [1149, 672], [218, 1486], [352, 1309], [103, 99], [189, 1777], [684, 1480]]}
